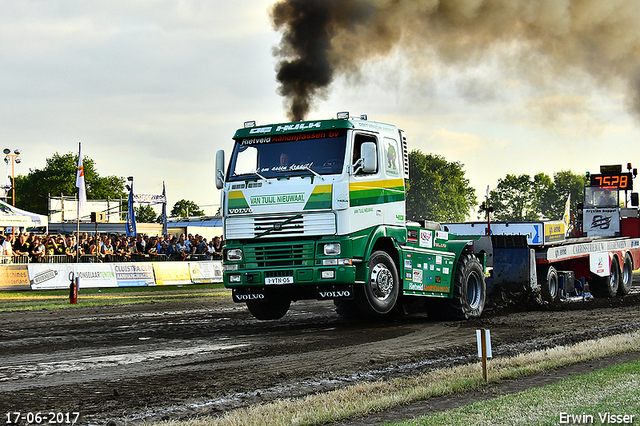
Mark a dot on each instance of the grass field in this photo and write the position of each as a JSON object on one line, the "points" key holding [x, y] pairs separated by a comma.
{"points": [[607, 396], [59, 299]]}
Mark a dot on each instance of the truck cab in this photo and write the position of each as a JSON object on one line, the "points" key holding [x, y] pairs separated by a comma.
{"points": [[316, 210]]}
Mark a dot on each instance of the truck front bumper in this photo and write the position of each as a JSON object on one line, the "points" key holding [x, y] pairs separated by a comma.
{"points": [[321, 282]]}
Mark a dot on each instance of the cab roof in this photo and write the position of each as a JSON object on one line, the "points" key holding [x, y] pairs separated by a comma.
{"points": [[313, 125]]}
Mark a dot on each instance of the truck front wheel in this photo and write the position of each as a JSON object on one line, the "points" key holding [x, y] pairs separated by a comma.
{"points": [[469, 290], [383, 286], [269, 310]]}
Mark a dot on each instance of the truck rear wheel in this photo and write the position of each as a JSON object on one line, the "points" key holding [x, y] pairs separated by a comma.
{"points": [[607, 286], [382, 289], [550, 288], [627, 276], [469, 290], [269, 310]]}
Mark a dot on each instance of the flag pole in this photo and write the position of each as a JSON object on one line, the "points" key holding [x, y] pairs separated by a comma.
{"points": [[78, 229], [82, 198], [78, 206]]}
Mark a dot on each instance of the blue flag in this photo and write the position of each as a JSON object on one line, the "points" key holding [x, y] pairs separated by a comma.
{"points": [[131, 216]]}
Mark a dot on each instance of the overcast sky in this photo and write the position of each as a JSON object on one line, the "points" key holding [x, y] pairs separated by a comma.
{"points": [[153, 89]]}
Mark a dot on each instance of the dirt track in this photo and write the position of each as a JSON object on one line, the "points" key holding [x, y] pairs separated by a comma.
{"points": [[154, 361]]}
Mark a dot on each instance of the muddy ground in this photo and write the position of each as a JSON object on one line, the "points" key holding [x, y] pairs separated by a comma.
{"points": [[204, 356]]}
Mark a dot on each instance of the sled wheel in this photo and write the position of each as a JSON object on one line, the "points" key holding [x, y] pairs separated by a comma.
{"points": [[627, 276], [550, 288]]}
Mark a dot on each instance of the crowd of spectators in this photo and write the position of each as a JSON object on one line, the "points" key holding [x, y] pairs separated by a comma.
{"points": [[29, 247]]}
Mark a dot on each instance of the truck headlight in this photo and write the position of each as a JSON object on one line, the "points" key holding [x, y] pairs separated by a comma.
{"points": [[332, 249], [234, 254]]}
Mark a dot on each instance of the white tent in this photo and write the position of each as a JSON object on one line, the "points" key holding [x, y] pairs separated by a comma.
{"points": [[13, 217]]}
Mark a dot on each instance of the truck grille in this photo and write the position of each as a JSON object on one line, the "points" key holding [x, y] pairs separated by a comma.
{"points": [[241, 227], [279, 255]]}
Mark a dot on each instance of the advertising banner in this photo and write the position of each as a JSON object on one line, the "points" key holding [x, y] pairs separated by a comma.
{"points": [[171, 273], [206, 272], [134, 274], [601, 222], [48, 276], [14, 278]]}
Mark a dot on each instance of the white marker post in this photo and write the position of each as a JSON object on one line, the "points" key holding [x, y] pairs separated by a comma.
{"points": [[484, 349]]}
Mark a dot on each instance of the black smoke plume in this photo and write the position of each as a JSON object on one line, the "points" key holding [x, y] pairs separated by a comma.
{"points": [[546, 39]]}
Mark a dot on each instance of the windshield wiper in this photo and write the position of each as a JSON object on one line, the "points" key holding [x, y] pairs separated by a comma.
{"points": [[254, 173], [303, 168]]}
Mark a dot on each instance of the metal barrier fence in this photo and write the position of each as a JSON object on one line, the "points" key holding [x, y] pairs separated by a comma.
{"points": [[111, 258]]}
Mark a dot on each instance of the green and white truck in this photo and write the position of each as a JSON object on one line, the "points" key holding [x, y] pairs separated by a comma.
{"points": [[316, 210]]}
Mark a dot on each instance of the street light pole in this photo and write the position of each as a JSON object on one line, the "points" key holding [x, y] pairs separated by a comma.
{"points": [[15, 159]]}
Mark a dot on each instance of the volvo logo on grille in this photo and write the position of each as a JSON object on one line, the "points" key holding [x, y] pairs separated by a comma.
{"points": [[277, 226]]}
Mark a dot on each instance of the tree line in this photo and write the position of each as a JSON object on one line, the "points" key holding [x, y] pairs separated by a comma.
{"points": [[437, 190]]}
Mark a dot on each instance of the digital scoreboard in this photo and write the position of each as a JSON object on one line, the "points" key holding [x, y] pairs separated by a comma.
{"points": [[617, 180]]}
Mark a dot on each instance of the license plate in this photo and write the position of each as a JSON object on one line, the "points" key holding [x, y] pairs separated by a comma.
{"points": [[278, 280]]}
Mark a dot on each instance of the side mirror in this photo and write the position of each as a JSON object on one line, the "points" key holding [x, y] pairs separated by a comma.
{"points": [[369, 157], [634, 199], [219, 169]]}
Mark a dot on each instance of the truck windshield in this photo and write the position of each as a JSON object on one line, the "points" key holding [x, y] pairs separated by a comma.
{"points": [[595, 196], [288, 155]]}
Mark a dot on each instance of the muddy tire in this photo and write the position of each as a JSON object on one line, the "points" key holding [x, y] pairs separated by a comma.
{"points": [[269, 310], [469, 290], [626, 279], [382, 289], [606, 287], [550, 287]]}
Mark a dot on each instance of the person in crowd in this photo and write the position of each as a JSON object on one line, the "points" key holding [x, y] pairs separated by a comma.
{"points": [[140, 244], [122, 249], [217, 245], [3, 257], [201, 247], [172, 249], [164, 244], [133, 249], [60, 245], [7, 246], [70, 246], [21, 247], [151, 246], [37, 250], [92, 247], [106, 249], [182, 248], [189, 247], [211, 250], [50, 245]]}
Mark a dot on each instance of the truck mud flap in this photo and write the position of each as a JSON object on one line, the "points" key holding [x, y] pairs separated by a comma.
{"points": [[241, 295], [335, 292]]}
